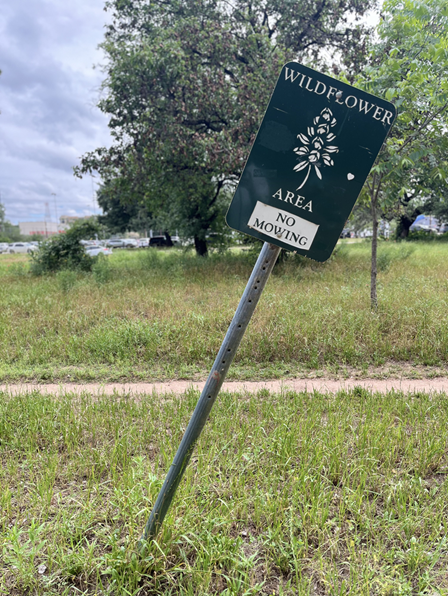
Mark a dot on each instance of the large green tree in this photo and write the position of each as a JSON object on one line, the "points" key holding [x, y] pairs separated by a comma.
{"points": [[186, 83], [8, 232], [117, 215], [409, 65]]}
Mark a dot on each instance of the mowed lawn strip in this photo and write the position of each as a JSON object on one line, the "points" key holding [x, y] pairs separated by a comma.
{"points": [[290, 493], [155, 315]]}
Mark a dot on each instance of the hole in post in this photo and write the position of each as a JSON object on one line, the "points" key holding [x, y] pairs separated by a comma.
{"points": [[239, 326], [209, 396], [249, 300], [264, 268], [229, 350], [223, 361]]}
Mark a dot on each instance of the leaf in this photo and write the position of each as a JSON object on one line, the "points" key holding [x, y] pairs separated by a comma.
{"points": [[301, 166], [390, 94], [319, 175], [303, 138]]}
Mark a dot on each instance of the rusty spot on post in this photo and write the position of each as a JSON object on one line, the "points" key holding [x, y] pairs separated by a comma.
{"points": [[216, 375]]}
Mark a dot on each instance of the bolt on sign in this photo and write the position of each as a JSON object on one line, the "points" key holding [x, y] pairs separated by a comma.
{"points": [[313, 152]]}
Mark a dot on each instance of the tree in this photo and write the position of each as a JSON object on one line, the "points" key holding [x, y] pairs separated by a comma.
{"points": [[408, 66], [185, 88], [2, 216], [65, 251], [8, 232], [117, 215]]}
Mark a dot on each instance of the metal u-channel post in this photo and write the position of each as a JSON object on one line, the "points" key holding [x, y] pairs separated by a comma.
{"points": [[255, 286]]}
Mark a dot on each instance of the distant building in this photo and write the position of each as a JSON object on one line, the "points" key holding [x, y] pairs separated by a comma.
{"points": [[69, 219], [41, 228]]}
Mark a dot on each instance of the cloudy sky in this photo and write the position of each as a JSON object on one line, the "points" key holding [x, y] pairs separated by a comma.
{"points": [[48, 119]]}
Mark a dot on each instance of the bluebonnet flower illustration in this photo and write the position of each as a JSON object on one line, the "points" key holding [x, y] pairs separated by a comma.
{"points": [[315, 145]]}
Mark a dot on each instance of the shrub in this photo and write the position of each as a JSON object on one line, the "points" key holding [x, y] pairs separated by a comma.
{"points": [[421, 235], [65, 251]]}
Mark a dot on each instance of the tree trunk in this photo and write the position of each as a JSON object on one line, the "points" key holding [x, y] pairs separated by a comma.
{"points": [[404, 224], [373, 267], [169, 242], [200, 246]]}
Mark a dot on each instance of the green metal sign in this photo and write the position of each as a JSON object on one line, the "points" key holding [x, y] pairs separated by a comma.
{"points": [[316, 145]]}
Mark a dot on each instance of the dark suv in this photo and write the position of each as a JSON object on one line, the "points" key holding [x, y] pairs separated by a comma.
{"points": [[162, 241], [158, 241]]}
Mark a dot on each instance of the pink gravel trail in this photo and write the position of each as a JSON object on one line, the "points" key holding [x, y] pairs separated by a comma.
{"points": [[439, 384]]}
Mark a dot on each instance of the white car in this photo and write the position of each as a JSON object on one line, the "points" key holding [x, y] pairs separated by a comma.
{"points": [[89, 242], [94, 251], [122, 243], [4, 247], [25, 247]]}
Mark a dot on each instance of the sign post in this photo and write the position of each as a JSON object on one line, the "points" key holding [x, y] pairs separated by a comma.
{"points": [[260, 275], [312, 154]]}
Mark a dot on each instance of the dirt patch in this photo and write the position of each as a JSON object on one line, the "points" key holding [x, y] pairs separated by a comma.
{"points": [[439, 384]]}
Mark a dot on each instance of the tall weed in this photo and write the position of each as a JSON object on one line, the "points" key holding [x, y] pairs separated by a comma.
{"points": [[66, 279], [102, 270]]}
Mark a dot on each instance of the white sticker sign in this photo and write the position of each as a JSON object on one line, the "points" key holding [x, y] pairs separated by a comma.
{"points": [[282, 225]]}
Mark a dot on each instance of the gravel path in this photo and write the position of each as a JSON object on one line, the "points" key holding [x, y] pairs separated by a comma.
{"points": [[437, 384]]}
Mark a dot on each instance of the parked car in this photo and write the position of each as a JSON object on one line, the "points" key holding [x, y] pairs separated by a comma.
{"points": [[443, 228], [143, 242], [122, 243], [4, 247], [158, 241], [94, 251], [23, 247], [418, 227], [89, 242], [162, 241]]}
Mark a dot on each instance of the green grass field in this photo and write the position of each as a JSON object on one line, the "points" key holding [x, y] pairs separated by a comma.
{"points": [[163, 314], [309, 494]]}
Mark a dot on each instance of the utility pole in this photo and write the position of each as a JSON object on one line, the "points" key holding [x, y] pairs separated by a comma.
{"points": [[47, 218], [53, 194], [93, 195]]}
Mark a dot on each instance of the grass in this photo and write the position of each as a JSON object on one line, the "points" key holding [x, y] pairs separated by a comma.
{"points": [[163, 314], [292, 493]]}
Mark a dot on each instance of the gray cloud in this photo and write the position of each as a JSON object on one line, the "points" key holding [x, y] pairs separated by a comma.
{"points": [[48, 89]]}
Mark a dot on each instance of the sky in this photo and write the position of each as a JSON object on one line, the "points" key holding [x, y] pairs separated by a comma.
{"points": [[48, 118]]}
